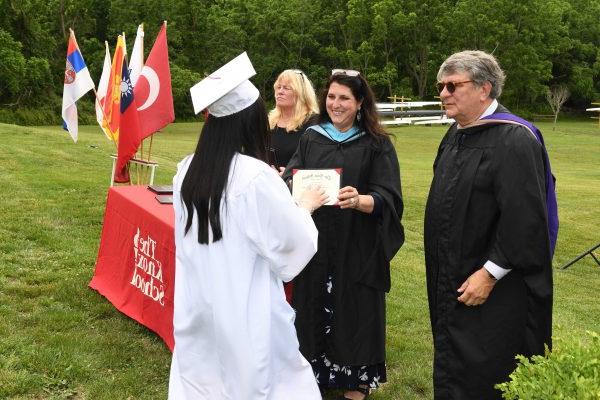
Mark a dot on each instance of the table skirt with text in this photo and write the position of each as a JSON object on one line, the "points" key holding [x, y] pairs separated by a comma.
{"points": [[135, 268]]}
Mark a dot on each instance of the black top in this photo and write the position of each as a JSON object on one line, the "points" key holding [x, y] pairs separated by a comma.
{"points": [[355, 247], [284, 144], [487, 202]]}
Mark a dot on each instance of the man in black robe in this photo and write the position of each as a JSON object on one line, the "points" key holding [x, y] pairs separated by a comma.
{"points": [[490, 229]]}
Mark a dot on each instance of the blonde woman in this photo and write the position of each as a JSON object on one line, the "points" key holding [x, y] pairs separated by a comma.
{"points": [[295, 107], [295, 110]]}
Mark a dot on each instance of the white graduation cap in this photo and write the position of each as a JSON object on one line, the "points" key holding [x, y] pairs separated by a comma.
{"points": [[227, 90]]}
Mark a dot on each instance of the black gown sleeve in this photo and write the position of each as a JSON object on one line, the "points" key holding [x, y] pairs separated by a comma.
{"points": [[384, 179], [521, 240], [377, 204]]}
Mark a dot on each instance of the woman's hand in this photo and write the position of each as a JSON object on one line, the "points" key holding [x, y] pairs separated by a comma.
{"points": [[312, 198], [349, 198]]}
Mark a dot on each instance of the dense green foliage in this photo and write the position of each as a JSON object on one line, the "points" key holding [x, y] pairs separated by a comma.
{"points": [[570, 371], [61, 340], [398, 45]]}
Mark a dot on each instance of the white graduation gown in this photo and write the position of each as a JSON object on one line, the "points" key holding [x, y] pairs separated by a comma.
{"points": [[234, 331]]}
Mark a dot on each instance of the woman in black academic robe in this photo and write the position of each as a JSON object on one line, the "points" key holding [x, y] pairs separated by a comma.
{"points": [[339, 298]]}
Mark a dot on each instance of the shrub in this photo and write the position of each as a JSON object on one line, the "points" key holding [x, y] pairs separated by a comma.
{"points": [[11, 67], [570, 371]]}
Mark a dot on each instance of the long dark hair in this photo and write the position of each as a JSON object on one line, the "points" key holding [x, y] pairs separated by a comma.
{"points": [[245, 132], [358, 85]]}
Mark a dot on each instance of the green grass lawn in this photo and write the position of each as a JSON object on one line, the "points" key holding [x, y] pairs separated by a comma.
{"points": [[61, 340]]}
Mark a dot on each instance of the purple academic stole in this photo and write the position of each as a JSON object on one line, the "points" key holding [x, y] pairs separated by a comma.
{"points": [[551, 205]]}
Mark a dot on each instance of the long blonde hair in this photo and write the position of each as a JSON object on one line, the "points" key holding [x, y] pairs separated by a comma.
{"points": [[306, 99]]}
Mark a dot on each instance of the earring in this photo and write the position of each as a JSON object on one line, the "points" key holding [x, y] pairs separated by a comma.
{"points": [[358, 116]]}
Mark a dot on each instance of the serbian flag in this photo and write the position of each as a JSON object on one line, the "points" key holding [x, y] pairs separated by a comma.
{"points": [[102, 89], [77, 83], [111, 104], [153, 94], [129, 127]]}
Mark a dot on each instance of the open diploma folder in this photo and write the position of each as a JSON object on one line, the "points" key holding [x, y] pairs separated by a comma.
{"points": [[327, 179]]}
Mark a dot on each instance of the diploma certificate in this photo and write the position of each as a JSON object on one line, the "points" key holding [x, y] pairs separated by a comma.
{"points": [[327, 179]]}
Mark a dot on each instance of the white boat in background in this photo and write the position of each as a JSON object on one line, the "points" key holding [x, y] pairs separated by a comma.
{"points": [[438, 121], [406, 113], [442, 120], [401, 105], [395, 121]]}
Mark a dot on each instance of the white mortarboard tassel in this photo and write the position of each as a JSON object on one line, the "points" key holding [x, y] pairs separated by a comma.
{"points": [[227, 90]]}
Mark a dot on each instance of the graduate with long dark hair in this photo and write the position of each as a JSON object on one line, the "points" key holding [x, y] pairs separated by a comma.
{"points": [[238, 235]]}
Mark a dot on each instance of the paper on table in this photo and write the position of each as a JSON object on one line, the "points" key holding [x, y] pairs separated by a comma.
{"points": [[327, 179]]}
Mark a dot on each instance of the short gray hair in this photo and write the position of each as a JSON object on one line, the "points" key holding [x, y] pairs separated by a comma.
{"points": [[481, 66]]}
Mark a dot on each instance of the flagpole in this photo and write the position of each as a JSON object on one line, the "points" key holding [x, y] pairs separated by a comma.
{"points": [[150, 149], [127, 165], [112, 136], [142, 144], [103, 117], [142, 55]]}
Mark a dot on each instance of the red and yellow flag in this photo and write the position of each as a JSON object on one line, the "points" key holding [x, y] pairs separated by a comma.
{"points": [[112, 101]]}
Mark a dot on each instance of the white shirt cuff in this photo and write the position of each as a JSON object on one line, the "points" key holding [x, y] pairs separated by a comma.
{"points": [[495, 269]]}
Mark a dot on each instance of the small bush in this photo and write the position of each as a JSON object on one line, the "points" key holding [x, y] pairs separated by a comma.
{"points": [[570, 371]]}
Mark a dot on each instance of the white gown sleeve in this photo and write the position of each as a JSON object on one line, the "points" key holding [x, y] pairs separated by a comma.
{"points": [[278, 229], [178, 207]]}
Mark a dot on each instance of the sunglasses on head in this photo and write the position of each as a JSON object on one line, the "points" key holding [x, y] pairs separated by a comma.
{"points": [[347, 72], [299, 72], [450, 86]]}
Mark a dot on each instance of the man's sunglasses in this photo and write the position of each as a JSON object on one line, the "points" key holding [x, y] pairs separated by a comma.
{"points": [[450, 86]]}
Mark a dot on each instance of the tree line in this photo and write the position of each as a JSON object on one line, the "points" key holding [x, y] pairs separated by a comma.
{"points": [[397, 44]]}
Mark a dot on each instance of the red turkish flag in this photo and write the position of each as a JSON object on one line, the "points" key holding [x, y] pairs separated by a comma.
{"points": [[152, 92]]}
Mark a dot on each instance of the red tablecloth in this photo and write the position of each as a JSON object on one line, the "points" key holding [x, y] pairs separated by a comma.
{"points": [[135, 269]]}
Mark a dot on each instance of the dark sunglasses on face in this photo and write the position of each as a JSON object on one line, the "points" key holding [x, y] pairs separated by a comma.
{"points": [[450, 86]]}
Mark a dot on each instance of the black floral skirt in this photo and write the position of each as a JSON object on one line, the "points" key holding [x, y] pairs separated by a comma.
{"points": [[331, 375]]}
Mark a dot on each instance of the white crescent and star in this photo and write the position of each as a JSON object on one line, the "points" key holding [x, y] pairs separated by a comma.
{"points": [[154, 86]]}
